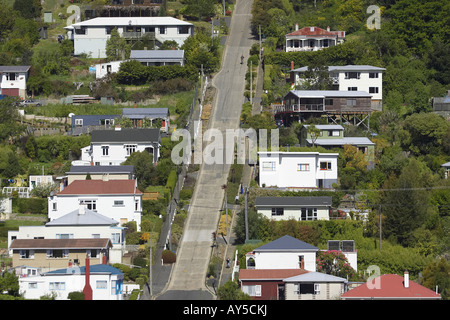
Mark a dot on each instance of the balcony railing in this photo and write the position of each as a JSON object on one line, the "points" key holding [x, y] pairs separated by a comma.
{"points": [[299, 108]]}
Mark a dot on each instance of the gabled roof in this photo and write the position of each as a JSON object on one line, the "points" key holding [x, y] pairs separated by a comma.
{"points": [[93, 269], [343, 141], [129, 169], [157, 54], [94, 243], [126, 21], [77, 218], [315, 277], [316, 31], [286, 243], [350, 67], [140, 113], [292, 201], [269, 274], [391, 286], [125, 135], [100, 187], [14, 68]]}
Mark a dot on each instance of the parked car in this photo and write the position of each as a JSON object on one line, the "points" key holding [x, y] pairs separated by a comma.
{"points": [[30, 103]]}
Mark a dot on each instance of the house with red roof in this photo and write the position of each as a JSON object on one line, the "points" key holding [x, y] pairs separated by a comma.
{"points": [[120, 200], [391, 287], [312, 39]]}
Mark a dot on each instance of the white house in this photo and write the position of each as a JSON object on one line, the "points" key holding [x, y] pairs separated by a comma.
{"points": [[158, 57], [105, 283], [283, 253], [312, 39], [113, 147], [120, 200], [90, 36], [104, 69], [297, 169], [13, 81], [350, 78], [78, 224], [298, 208]]}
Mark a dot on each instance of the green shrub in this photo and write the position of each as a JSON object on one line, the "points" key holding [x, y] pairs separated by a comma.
{"points": [[30, 205]]}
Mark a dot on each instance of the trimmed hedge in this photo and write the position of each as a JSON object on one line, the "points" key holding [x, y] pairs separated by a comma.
{"points": [[30, 205]]}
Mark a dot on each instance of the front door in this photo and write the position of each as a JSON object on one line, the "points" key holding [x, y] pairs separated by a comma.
{"points": [[281, 292]]}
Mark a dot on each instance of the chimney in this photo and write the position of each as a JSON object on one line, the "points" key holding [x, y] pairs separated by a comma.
{"points": [[82, 209], [104, 260], [87, 285], [292, 65], [328, 28], [406, 279], [296, 26]]}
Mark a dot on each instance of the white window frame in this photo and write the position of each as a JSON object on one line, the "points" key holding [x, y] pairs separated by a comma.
{"points": [[130, 148], [268, 166], [91, 204], [101, 284], [303, 167], [252, 290], [57, 286]]}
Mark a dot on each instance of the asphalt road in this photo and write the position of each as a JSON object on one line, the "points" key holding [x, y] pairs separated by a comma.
{"points": [[188, 275]]}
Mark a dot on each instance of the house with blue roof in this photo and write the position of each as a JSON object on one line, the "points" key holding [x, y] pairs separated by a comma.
{"points": [[103, 281], [283, 253]]}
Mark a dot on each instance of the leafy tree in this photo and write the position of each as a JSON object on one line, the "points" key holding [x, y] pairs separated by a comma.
{"points": [[29, 9], [335, 263], [200, 8], [144, 170], [117, 47], [436, 274], [9, 282], [231, 291]]}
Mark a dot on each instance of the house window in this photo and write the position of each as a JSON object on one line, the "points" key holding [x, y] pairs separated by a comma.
{"points": [[81, 30], [351, 102], [325, 165], [101, 284], [115, 237], [32, 285], [373, 89], [277, 211], [268, 166], [162, 30], [26, 254], [352, 88], [183, 30], [252, 290], [306, 288], [352, 75], [105, 150], [64, 253], [64, 236], [303, 167], [90, 204], [57, 286], [373, 75], [93, 253], [11, 76], [130, 148], [95, 236], [328, 102], [308, 214], [54, 206], [118, 203]]}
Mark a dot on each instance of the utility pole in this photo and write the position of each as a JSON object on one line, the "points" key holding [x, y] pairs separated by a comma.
{"points": [[379, 210]]}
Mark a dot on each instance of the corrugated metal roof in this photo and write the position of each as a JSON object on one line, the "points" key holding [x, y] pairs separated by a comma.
{"points": [[100, 187], [88, 218], [269, 274], [350, 67], [14, 68], [329, 93], [94, 243], [126, 135], [315, 277], [293, 201], [157, 54], [93, 269], [130, 21], [342, 141]]}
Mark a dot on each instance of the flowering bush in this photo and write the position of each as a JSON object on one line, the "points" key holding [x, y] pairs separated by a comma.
{"points": [[335, 263]]}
